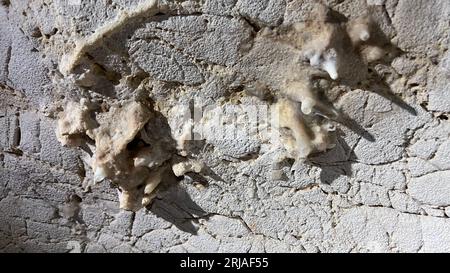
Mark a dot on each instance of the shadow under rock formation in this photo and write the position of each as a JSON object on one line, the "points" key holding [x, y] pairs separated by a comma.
{"points": [[375, 82], [336, 162], [174, 205], [172, 202]]}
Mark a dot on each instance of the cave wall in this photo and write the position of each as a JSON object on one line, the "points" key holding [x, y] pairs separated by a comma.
{"points": [[384, 187]]}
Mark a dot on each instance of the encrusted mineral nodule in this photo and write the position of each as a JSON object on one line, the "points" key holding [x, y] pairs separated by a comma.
{"points": [[304, 116], [136, 172]]}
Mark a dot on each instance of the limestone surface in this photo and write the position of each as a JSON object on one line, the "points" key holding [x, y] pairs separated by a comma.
{"points": [[148, 126]]}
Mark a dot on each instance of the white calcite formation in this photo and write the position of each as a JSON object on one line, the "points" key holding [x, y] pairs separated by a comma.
{"points": [[136, 173], [325, 45]]}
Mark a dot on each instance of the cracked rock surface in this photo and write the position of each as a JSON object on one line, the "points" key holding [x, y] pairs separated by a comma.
{"points": [[110, 79]]}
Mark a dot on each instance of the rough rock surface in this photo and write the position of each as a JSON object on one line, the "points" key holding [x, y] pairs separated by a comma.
{"points": [[385, 187]]}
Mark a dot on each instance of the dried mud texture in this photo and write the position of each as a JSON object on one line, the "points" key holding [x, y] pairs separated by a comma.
{"points": [[97, 152]]}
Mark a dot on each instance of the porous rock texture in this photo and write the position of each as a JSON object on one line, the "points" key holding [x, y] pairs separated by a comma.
{"points": [[94, 147]]}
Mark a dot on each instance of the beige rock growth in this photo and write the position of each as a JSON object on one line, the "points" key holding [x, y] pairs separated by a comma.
{"points": [[74, 122], [136, 171], [73, 58], [330, 47]]}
